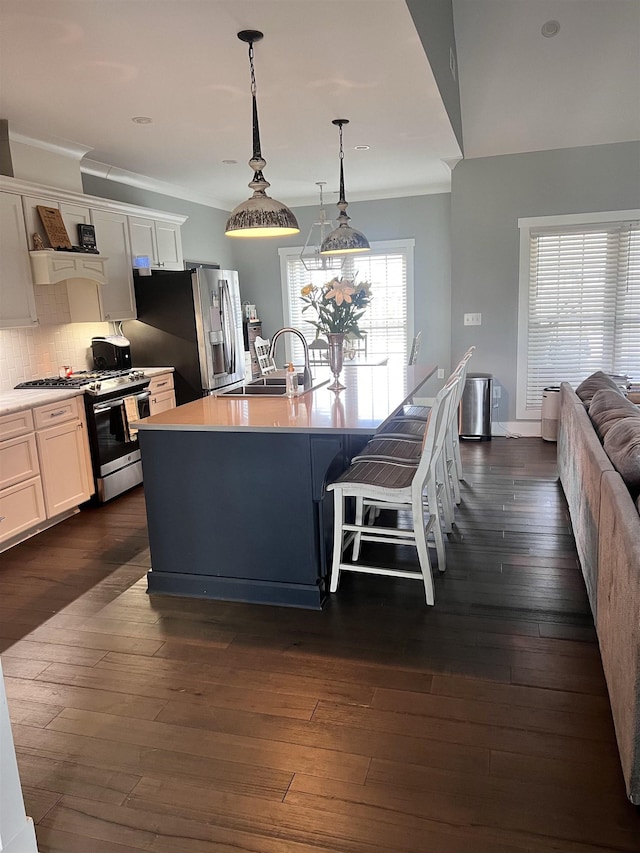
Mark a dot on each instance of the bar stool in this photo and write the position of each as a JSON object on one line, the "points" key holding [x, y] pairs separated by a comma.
{"points": [[396, 486]]}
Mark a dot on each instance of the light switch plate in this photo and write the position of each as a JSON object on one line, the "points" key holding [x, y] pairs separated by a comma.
{"points": [[473, 319]]}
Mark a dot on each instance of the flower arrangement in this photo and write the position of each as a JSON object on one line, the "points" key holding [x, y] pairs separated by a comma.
{"points": [[338, 305]]}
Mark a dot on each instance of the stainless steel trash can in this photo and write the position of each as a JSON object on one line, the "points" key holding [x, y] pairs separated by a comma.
{"points": [[550, 413], [475, 407]]}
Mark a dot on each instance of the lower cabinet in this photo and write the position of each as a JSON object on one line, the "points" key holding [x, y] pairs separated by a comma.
{"points": [[63, 466], [163, 396], [21, 507], [45, 467]]}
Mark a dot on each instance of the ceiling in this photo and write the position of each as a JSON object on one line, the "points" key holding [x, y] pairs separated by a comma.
{"points": [[80, 70]]}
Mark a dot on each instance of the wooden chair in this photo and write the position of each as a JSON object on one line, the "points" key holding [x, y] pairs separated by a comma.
{"points": [[415, 348], [386, 485]]}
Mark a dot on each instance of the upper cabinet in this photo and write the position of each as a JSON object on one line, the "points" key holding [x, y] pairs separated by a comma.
{"points": [[122, 232], [158, 240], [17, 303], [112, 239]]}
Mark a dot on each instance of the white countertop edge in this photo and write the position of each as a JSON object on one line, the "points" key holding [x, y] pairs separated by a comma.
{"points": [[299, 430], [19, 399]]}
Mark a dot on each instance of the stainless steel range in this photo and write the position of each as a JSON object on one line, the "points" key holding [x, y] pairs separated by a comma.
{"points": [[113, 400]]}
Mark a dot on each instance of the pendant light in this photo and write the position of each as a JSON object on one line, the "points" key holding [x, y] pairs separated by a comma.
{"points": [[260, 215], [343, 240], [310, 254]]}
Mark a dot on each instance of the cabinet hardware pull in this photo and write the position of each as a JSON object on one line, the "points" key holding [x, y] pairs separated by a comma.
{"points": [[3, 517], [57, 414], [161, 384]]}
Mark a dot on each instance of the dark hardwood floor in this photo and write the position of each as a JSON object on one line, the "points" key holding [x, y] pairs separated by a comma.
{"points": [[480, 725]]}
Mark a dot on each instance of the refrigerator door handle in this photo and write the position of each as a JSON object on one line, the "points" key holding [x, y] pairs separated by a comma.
{"points": [[228, 327]]}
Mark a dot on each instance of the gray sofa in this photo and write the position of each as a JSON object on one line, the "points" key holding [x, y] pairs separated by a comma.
{"points": [[604, 510]]}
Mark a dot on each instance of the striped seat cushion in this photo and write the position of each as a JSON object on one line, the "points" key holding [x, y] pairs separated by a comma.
{"points": [[395, 448], [403, 426], [383, 474]]}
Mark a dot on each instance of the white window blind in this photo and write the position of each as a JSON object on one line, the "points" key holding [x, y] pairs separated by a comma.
{"points": [[387, 321], [583, 298]]}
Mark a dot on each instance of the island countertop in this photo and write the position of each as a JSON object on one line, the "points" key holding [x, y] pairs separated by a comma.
{"points": [[371, 394]]}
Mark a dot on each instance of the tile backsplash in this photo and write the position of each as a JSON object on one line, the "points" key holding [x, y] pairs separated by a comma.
{"points": [[34, 352]]}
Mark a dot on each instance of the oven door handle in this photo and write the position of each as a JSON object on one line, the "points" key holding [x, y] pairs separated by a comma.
{"points": [[112, 404]]}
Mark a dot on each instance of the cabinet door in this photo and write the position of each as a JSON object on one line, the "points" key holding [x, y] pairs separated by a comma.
{"points": [[169, 244], [63, 467], [72, 216], [162, 402], [142, 234], [112, 240], [21, 507], [18, 460], [17, 303]]}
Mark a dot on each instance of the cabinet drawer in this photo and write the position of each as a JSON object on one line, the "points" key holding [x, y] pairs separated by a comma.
{"points": [[21, 507], [17, 423], [57, 413], [161, 383], [18, 460], [162, 402]]}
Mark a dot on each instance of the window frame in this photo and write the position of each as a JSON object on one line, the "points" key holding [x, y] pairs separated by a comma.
{"points": [[380, 247], [526, 226]]}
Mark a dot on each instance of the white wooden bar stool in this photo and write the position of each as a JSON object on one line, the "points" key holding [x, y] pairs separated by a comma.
{"points": [[395, 486]]}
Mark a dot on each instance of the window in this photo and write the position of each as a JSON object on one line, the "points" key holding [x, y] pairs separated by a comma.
{"points": [[579, 301], [388, 320]]}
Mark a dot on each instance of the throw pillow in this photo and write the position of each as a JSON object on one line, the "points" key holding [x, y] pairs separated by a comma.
{"points": [[622, 446], [607, 407], [593, 383]]}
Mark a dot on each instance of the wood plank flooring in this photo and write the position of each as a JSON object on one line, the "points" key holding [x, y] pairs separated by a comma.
{"points": [[480, 725]]}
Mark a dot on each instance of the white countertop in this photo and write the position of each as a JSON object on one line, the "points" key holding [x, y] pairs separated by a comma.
{"points": [[371, 394], [27, 398]]}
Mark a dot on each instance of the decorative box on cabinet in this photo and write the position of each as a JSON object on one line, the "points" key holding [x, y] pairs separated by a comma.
{"points": [[251, 330]]}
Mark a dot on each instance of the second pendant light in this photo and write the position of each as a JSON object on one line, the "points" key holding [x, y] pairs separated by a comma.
{"points": [[344, 239]]}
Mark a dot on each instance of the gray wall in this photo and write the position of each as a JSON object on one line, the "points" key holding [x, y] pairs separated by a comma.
{"points": [[202, 234], [488, 196], [433, 21], [425, 218]]}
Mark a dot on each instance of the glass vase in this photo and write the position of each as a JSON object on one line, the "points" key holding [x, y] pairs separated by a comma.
{"points": [[336, 354]]}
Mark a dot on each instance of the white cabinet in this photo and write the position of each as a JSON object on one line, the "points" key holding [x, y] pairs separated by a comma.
{"points": [[17, 303], [160, 241], [72, 216], [112, 240], [163, 396], [21, 497], [63, 454]]}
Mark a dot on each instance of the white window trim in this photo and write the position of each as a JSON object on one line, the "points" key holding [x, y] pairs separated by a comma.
{"points": [[407, 244], [526, 225]]}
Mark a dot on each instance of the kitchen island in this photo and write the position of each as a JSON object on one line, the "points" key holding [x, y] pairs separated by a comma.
{"points": [[235, 486]]}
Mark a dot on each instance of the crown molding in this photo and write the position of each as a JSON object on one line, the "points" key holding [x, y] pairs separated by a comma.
{"points": [[143, 182], [65, 147]]}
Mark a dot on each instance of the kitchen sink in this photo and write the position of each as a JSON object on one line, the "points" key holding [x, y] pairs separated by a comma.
{"points": [[269, 386]]}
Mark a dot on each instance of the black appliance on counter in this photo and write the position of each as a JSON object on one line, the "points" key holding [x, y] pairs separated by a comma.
{"points": [[111, 352], [190, 320], [113, 399]]}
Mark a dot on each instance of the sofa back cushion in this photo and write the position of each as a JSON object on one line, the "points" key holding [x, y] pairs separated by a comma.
{"points": [[607, 407], [622, 446], [593, 383]]}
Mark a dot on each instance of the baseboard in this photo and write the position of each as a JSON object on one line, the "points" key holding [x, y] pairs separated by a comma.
{"points": [[516, 429]]}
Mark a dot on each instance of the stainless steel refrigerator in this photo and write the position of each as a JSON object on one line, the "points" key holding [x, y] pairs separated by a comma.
{"points": [[191, 321]]}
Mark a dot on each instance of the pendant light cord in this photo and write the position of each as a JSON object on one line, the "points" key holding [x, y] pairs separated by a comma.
{"points": [[257, 153], [342, 199]]}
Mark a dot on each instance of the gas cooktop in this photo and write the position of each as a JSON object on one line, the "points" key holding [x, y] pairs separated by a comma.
{"points": [[92, 381]]}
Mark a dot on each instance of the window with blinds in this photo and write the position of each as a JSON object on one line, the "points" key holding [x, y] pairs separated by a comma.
{"points": [[387, 321], [580, 305]]}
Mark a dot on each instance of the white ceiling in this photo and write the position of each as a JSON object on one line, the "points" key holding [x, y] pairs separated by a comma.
{"points": [[79, 70]]}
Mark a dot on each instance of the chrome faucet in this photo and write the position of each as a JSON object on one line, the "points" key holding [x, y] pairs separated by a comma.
{"points": [[307, 379]]}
